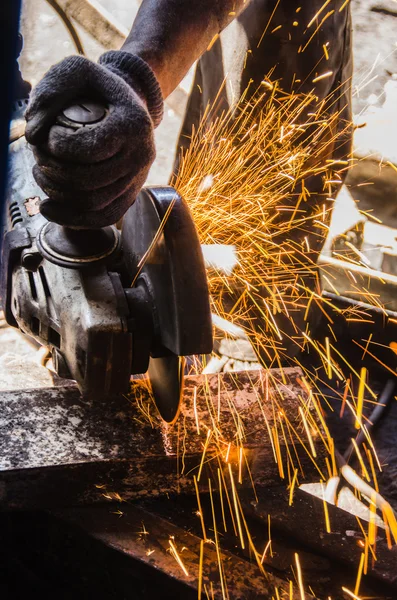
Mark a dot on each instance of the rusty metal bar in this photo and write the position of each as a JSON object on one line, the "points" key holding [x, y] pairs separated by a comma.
{"points": [[57, 450]]}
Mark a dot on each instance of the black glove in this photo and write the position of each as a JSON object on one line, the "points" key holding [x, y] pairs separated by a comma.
{"points": [[93, 175]]}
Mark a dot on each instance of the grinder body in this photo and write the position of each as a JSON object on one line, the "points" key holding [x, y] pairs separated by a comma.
{"points": [[109, 304]]}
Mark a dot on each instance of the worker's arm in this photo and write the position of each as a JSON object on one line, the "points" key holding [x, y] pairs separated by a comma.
{"points": [[92, 176], [171, 34]]}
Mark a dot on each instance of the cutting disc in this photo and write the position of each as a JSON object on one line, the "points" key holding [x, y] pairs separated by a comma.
{"points": [[166, 378]]}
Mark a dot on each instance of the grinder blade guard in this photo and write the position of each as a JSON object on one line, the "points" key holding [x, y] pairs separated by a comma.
{"points": [[108, 304]]}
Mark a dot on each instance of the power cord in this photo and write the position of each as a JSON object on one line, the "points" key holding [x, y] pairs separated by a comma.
{"points": [[69, 26]]}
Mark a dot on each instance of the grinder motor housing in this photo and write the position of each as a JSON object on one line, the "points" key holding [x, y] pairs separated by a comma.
{"points": [[108, 304]]}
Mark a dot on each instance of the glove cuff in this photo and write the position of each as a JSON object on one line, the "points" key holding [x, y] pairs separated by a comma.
{"points": [[137, 73]]}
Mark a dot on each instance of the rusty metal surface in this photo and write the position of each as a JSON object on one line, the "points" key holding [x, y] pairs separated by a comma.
{"points": [[56, 450]]}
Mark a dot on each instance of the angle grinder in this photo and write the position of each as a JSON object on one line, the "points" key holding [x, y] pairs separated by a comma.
{"points": [[108, 303]]}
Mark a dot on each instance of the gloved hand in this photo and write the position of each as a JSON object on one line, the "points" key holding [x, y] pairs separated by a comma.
{"points": [[93, 175]]}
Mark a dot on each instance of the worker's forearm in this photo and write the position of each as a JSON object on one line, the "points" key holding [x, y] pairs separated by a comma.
{"points": [[171, 34]]}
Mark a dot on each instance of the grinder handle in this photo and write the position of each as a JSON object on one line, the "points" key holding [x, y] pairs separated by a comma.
{"points": [[84, 113]]}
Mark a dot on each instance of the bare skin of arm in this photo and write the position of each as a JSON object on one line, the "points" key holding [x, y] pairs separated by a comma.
{"points": [[171, 34]]}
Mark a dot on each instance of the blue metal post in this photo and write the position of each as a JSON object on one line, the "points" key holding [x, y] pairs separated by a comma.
{"points": [[9, 22]]}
